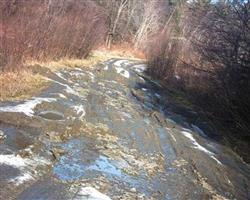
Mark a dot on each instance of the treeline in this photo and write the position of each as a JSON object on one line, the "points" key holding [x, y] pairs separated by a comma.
{"points": [[51, 29], [204, 51], [45, 29]]}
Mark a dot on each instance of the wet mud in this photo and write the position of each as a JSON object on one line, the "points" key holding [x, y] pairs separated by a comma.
{"points": [[109, 132]]}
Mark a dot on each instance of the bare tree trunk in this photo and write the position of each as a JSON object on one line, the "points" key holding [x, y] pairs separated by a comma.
{"points": [[149, 25], [111, 34]]}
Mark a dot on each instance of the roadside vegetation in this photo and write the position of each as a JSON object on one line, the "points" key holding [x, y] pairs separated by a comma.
{"points": [[204, 52], [199, 49], [20, 85]]}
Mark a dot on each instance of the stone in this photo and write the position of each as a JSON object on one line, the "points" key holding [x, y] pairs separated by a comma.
{"points": [[91, 194]]}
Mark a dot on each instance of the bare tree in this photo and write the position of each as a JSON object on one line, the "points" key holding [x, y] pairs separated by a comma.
{"points": [[114, 23], [150, 23]]}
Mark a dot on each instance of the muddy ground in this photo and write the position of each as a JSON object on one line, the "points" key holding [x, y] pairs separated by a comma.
{"points": [[109, 132]]}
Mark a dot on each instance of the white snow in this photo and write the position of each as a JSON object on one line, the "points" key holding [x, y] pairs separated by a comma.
{"points": [[198, 130], [90, 193], [177, 77], [119, 63], [126, 115], [157, 95], [68, 88], [62, 96], [25, 165], [106, 67], [79, 110], [123, 72], [76, 74], [92, 76], [12, 160], [21, 179], [115, 82], [27, 107], [139, 68], [198, 146], [59, 74]]}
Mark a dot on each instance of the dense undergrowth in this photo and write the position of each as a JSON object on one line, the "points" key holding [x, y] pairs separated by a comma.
{"points": [[39, 29]]}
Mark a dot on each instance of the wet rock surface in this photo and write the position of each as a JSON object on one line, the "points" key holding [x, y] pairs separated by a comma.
{"points": [[51, 115], [109, 132]]}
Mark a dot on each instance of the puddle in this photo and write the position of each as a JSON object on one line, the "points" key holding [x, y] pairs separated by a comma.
{"points": [[77, 163], [103, 164]]}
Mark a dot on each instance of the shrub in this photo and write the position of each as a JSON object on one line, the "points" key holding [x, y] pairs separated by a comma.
{"points": [[40, 29]]}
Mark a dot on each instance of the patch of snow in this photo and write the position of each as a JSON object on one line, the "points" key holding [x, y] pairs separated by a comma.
{"points": [[106, 67], [186, 129], [144, 89], [171, 134], [198, 130], [62, 96], [101, 84], [27, 107], [157, 95], [79, 69], [91, 193], [12, 160], [111, 81], [119, 63], [126, 115], [21, 179], [25, 165], [139, 68], [219, 162], [198, 146], [59, 74], [79, 110], [123, 72], [109, 61], [68, 88], [76, 73], [177, 77], [92, 76]]}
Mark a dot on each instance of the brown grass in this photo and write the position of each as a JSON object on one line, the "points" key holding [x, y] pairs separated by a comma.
{"points": [[41, 29], [94, 58], [123, 51], [64, 63], [23, 83], [20, 85]]}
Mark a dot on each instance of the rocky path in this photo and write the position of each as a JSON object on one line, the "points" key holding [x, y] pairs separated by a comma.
{"points": [[109, 132]]}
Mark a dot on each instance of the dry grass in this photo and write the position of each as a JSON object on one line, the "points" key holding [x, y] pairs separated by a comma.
{"points": [[23, 84], [20, 85], [122, 51], [94, 58], [65, 63]]}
